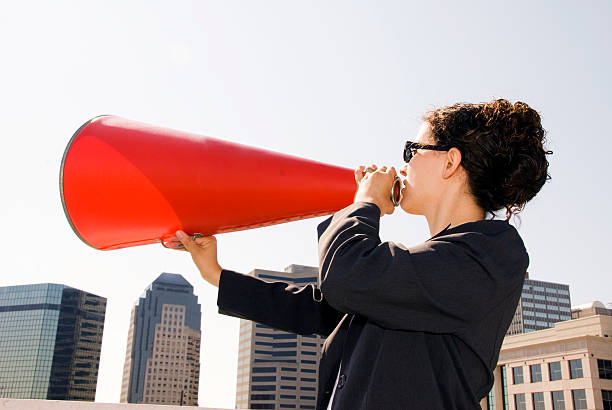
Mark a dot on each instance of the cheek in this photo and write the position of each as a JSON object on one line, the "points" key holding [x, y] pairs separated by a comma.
{"points": [[419, 183]]}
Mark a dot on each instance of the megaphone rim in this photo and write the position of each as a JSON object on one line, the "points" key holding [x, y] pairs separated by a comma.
{"points": [[61, 176]]}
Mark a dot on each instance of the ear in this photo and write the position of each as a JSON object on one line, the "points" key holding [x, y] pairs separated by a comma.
{"points": [[452, 160]]}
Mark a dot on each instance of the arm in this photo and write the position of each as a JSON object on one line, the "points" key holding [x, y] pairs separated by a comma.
{"points": [[440, 286], [282, 306], [276, 304]]}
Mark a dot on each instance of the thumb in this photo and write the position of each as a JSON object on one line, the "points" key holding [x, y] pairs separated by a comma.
{"points": [[185, 240]]}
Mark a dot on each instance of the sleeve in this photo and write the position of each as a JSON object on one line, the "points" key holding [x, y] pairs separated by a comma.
{"points": [[436, 287], [282, 306]]}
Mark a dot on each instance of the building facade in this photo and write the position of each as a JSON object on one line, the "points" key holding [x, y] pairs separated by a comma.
{"points": [[276, 369], [162, 361], [50, 341], [568, 366], [542, 304]]}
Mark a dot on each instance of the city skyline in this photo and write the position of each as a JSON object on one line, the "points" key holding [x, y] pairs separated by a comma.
{"points": [[341, 83]]}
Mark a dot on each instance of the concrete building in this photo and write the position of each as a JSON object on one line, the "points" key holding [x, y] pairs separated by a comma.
{"points": [[564, 367], [15, 404], [542, 304], [590, 309], [50, 340], [276, 369], [162, 360]]}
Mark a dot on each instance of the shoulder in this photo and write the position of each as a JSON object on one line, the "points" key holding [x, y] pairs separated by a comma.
{"points": [[493, 245]]}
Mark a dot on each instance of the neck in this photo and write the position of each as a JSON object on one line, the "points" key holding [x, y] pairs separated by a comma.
{"points": [[454, 208]]}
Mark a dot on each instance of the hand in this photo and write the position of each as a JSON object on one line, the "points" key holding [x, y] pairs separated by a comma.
{"points": [[203, 251], [375, 186]]}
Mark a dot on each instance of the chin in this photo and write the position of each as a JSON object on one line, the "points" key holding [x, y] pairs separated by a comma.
{"points": [[409, 206]]}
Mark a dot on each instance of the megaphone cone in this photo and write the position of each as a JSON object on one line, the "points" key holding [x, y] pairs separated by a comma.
{"points": [[125, 183]]}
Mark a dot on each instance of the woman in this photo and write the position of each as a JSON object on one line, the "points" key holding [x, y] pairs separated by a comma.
{"points": [[418, 327]]}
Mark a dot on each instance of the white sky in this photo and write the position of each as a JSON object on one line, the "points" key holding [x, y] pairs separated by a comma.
{"points": [[341, 82]]}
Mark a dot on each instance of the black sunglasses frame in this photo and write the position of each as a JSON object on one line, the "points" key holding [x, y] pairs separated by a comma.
{"points": [[408, 153]]}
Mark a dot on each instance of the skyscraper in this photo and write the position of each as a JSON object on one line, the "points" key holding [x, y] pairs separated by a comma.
{"points": [[50, 340], [542, 304], [162, 360], [277, 369]]}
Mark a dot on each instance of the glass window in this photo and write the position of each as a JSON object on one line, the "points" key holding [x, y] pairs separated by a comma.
{"points": [[264, 369], [606, 395], [579, 399], [554, 370], [517, 375], [536, 373], [605, 369], [519, 402], [491, 399], [558, 401], [575, 369], [538, 401]]}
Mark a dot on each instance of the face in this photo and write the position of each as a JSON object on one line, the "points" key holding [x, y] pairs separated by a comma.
{"points": [[423, 183]]}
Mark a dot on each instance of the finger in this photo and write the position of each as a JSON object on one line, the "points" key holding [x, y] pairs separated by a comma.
{"points": [[383, 169], [205, 240], [372, 168], [393, 172], [359, 173], [185, 240]]}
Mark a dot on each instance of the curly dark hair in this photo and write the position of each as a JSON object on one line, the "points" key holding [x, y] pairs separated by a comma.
{"points": [[502, 150]]}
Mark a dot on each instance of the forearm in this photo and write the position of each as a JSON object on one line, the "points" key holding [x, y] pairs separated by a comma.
{"points": [[279, 305]]}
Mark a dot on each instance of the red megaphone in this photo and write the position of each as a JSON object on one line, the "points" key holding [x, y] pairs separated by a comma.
{"points": [[125, 183]]}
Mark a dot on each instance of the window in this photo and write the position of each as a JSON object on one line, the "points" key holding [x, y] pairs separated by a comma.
{"points": [[538, 401], [519, 402], [264, 369], [554, 369], [606, 395], [558, 401], [491, 399], [263, 388], [536, 373], [575, 369], [605, 369], [579, 399], [263, 378], [504, 388], [517, 375], [263, 396]]}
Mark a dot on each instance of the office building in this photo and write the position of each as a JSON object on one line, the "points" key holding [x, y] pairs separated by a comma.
{"points": [[542, 304], [50, 340], [276, 369], [162, 361], [568, 366]]}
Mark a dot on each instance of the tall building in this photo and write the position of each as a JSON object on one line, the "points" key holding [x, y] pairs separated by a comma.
{"points": [[568, 366], [50, 340], [276, 369], [542, 304], [162, 360]]}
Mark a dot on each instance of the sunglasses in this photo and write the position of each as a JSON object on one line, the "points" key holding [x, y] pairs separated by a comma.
{"points": [[411, 147]]}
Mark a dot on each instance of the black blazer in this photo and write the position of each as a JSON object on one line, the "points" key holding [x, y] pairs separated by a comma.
{"points": [[414, 328]]}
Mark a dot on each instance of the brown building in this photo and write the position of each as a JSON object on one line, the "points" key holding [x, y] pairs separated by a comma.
{"points": [[276, 369], [564, 367], [162, 361]]}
